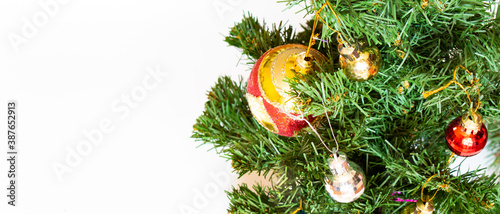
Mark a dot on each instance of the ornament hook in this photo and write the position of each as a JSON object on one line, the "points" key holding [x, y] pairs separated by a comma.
{"points": [[298, 209], [443, 186], [316, 23], [426, 94]]}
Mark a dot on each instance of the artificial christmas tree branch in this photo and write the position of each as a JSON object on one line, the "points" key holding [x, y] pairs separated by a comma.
{"points": [[384, 124]]}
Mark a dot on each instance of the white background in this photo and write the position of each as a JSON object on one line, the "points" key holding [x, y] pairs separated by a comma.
{"points": [[76, 67]]}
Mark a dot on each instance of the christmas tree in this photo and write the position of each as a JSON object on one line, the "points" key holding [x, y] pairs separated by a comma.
{"points": [[440, 60]]}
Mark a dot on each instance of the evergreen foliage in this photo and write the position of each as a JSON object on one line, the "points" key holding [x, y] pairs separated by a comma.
{"points": [[384, 124]]}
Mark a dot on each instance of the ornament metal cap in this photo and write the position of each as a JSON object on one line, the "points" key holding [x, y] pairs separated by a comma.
{"points": [[346, 182], [424, 207], [338, 164], [304, 61], [349, 52], [471, 122]]}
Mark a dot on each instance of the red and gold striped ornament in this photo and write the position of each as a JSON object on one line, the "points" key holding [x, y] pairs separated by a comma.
{"points": [[267, 89]]}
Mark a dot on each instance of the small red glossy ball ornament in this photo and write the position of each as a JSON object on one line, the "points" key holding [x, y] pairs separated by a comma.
{"points": [[466, 135]]}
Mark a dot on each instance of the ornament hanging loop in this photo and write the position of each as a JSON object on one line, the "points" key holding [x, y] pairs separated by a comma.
{"points": [[298, 209], [450, 158], [335, 155], [335, 150], [472, 122], [328, 119], [426, 94], [422, 191], [302, 117], [316, 17], [443, 186]]}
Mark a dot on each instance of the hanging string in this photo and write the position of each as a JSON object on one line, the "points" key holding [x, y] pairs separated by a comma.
{"points": [[335, 14], [327, 118], [443, 186], [315, 131], [302, 118], [312, 36], [298, 209], [316, 16], [449, 159], [423, 187], [426, 94]]}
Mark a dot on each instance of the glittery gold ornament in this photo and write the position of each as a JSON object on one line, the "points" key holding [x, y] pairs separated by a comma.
{"points": [[359, 63], [408, 209], [419, 207], [346, 181], [267, 89]]}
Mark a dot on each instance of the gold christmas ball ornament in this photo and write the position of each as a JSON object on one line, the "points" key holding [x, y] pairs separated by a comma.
{"points": [[419, 207], [268, 90], [408, 209], [346, 181], [359, 63]]}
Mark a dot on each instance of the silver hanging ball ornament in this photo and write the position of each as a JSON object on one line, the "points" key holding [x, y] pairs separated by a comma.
{"points": [[346, 181]]}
